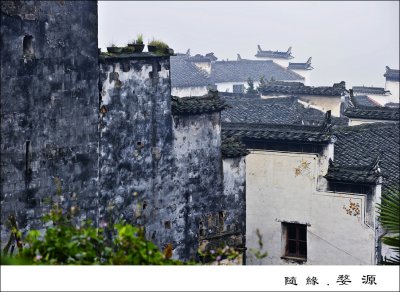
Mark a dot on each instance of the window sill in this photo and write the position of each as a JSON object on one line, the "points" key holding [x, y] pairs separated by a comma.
{"points": [[296, 259]]}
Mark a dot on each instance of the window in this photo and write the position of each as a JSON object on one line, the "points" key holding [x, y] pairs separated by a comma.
{"points": [[238, 88], [295, 240], [27, 45]]}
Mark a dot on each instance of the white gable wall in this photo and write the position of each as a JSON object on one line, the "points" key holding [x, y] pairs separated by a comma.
{"points": [[189, 91], [281, 187], [283, 62], [393, 86]]}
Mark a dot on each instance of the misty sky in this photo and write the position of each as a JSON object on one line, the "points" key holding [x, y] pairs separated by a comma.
{"points": [[350, 41]]}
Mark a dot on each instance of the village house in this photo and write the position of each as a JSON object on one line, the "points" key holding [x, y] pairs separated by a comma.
{"points": [[303, 69], [278, 57], [307, 170], [392, 83], [193, 75], [362, 109], [324, 98], [378, 95]]}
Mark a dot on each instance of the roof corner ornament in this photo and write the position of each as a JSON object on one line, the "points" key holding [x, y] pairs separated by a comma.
{"points": [[375, 165], [387, 68], [239, 58], [188, 52], [309, 61], [259, 48], [289, 51]]}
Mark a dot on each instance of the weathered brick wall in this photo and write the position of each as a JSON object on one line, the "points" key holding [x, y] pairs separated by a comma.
{"points": [[49, 108]]}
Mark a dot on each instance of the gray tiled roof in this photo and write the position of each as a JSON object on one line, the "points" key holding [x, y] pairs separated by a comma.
{"points": [[392, 74], [200, 58], [186, 74], [361, 145], [288, 88], [240, 71], [193, 105], [366, 174], [370, 90], [274, 54], [301, 66], [286, 110], [277, 133], [232, 147], [364, 100], [373, 113]]}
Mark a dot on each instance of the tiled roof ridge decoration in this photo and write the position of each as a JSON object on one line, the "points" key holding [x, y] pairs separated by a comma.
{"points": [[392, 74], [295, 88], [232, 147], [194, 105], [371, 90], [274, 54], [365, 174], [301, 66]]}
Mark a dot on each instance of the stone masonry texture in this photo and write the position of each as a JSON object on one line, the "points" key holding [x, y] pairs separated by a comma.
{"points": [[98, 134]]}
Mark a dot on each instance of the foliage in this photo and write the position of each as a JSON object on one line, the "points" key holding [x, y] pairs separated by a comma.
{"points": [[139, 40], [389, 215], [218, 255], [250, 89], [159, 44], [262, 85], [257, 253], [64, 243]]}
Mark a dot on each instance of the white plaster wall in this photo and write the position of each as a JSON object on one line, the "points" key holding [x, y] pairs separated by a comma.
{"points": [[355, 122], [393, 86], [306, 74], [325, 103], [382, 99], [276, 193], [234, 177], [228, 86], [189, 91]]}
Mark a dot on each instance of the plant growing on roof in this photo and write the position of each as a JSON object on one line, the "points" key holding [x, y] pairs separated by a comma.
{"points": [[158, 46], [262, 85], [139, 40]]}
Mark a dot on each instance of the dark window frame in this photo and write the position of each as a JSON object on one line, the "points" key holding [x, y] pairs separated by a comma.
{"points": [[295, 241]]}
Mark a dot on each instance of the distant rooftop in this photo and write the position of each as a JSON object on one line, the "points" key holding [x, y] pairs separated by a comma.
{"points": [[185, 74], [363, 107], [301, 66], [275, 54], [285, 110], [240, 71], [370, 90], [392, 74], [297, 88]]}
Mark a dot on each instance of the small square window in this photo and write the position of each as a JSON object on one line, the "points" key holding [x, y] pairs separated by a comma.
{"points": [[238, 88], [295, 240]]}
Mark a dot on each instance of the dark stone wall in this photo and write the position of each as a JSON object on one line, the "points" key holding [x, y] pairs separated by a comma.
{"points": [[136, 154], [49, 108]]}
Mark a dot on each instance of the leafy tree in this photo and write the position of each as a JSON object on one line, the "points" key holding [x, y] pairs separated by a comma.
{"points": [[389, 214], [262, 85], [250, 86]]}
